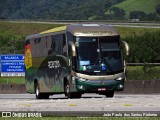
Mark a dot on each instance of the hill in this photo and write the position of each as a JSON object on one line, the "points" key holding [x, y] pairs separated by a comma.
{"points": [[147, 6], [55, 9], [141, 40], [77, 9]]}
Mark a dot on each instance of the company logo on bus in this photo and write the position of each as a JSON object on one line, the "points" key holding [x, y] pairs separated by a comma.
{"points": [[28, 57]]}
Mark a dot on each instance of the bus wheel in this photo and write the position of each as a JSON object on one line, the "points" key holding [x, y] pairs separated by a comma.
{"points": [[67, 91], [40, 95], [68, 94], [110, 94], [78, 95]]}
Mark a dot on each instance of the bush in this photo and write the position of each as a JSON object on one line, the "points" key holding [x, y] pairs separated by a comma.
{"points": [[144, 48], [11, 43]]}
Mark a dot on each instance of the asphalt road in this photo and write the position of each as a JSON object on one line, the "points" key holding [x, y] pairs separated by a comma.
{"points": [[118, 24], [88, 102]]}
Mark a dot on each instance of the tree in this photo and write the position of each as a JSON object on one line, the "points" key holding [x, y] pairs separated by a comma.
{"points": [[116, 13], [137, 15], [158, 9]]}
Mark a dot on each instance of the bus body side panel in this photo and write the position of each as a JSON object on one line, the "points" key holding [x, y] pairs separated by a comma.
{"points": [[51, 74], [29, 80], [47, 61]]}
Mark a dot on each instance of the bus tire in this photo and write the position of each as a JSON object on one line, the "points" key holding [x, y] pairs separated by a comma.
{"points": [[78, 95], [45, 96], [68, 94], [40, 95], [110, 94]]}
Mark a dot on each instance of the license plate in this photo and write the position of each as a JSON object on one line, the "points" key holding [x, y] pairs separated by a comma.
{"points": [[101, 89]]}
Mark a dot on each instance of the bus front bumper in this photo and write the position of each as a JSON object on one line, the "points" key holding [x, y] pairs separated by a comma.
{"points": [[97, 86]]}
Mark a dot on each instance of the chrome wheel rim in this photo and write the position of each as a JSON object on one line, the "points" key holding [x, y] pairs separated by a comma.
{"points": [[67, 89], [37, 91]]}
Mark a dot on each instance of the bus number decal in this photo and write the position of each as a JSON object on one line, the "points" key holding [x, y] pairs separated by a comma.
{"points": [[53, 64]]}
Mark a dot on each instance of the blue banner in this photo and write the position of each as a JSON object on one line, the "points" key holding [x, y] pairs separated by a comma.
{"points": [[12, 65], [12, 57]]}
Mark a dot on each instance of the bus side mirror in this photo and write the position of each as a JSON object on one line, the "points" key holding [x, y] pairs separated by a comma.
{"points": [[73, 50], [126, 47]]}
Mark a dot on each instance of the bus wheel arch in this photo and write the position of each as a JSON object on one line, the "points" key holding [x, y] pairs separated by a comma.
{"points": [[66, 88], [37, 89], [35, 83], [39, 95], [67, 92], [64, 85]]}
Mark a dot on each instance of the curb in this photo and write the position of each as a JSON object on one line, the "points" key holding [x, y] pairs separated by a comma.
{"points": [[141, 87], [12, 88]]}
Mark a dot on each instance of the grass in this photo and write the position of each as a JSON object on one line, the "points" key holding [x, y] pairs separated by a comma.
{"points": [[148, 6], [86, 118], [143, 72], [26, 28], [128, 32], [12, 32], [12, 80]]}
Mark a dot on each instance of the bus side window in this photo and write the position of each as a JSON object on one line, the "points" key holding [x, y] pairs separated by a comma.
{"points": [[64, 45], [49, 44], [69, 36], [57, 45], [52, 49], [33, 49], [42, 47], [59, 40]]}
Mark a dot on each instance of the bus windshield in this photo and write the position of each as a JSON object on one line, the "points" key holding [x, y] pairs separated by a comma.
{"points": [[99, 55]]}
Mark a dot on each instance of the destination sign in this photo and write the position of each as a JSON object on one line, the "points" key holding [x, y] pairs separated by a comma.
{"points": [[12, 65]]}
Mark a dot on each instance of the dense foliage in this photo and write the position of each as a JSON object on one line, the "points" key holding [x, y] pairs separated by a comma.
{"points": [[75, 10], [158, 9], [114, 13], [55, 9], [144, 48], [11, 43], [143, 16], [144, 43]]}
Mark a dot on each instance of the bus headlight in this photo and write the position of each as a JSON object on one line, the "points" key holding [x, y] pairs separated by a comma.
{"points": [[120, 78], [82, 79], [120, 87], [80, 87]]}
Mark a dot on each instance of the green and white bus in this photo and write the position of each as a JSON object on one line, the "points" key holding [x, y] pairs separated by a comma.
{"points": [[73, 60]]}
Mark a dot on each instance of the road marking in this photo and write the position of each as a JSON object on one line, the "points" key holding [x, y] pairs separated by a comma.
{"points": [[127, 105], [72, 105], [28, 105], [107, 105]]}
